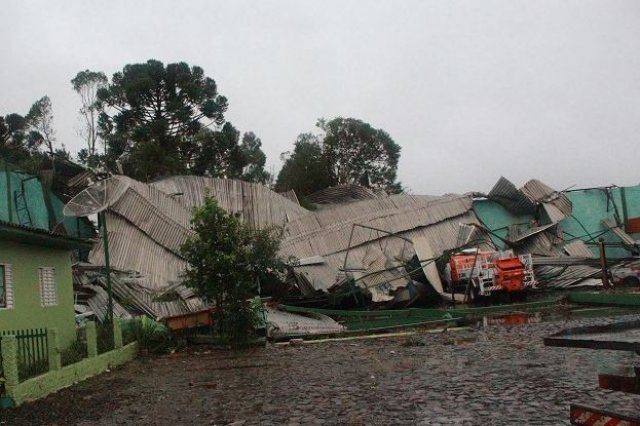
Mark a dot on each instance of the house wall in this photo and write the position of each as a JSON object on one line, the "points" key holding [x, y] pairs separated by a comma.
{"points": [[35, 194], [27, 311], [591, 206], [497, 219]]}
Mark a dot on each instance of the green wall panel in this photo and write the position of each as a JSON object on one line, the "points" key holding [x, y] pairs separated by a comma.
{"points": [[27, 311]]}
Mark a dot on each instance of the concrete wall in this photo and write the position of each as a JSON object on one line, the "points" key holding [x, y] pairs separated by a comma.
{"points": [[58, 377], [41, 386], [27, 311]]}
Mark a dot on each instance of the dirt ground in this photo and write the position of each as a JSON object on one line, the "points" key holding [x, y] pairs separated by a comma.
{"points": [[500, 375]]}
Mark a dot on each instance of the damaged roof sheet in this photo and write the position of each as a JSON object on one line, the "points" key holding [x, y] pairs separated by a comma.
{"points": [[149, 222], [254, 204], [627, 240], [556, 204], [345, 194], [281, 324], [515, 236], [435, 220], [578, 248], [505, 193]]}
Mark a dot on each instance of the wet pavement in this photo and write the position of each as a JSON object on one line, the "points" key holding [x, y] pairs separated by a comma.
{"points": [[493, 375]]}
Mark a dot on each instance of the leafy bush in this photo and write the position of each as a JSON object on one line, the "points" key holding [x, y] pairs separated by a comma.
{"points": [[226, 259], [152, 336]]}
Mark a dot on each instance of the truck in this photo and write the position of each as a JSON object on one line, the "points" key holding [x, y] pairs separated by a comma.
{"points": [[478, 273]]}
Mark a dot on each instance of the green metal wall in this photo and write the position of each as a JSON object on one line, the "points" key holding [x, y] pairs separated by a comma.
{"points": [[27, 311], [590, 207], [497, 219], [11, 181]]}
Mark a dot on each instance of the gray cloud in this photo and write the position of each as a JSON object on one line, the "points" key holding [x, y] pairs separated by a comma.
{"points": [[470, 90]]}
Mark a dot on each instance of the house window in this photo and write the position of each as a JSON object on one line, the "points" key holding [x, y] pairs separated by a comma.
{"points": [[6, 287], [47, 278]]}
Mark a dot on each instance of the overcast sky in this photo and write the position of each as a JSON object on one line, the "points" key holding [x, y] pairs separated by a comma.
{"points": [[471, 90]]}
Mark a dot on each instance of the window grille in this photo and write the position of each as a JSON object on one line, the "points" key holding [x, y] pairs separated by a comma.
{"points": [[6, 287], [47, 278]]}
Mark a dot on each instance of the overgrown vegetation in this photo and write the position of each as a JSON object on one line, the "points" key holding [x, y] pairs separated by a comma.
{"points": [[226, 260], [76, 352], [152, 336], [104, 336]]}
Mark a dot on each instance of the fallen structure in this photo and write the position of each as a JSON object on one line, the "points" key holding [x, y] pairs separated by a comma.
{"points": [[360, 245]]}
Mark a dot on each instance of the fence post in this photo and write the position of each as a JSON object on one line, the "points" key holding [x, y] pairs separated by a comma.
{"points": [[10, 363], [92, 339], [55, 358], [117, 334]]}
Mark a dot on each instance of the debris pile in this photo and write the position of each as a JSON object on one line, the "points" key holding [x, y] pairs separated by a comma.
{"points": [[360, 246]]}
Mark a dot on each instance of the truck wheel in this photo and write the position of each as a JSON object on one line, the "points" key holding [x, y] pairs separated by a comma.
{"points": [[631, 281]]}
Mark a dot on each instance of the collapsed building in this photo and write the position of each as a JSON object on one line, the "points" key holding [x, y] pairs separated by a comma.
{"points": [[357, 243]]}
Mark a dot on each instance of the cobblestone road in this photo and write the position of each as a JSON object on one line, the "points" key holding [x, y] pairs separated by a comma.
{"points": [[495, 376]]}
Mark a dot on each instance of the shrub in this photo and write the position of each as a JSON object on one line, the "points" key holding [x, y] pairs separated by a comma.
{"points": [[152, 336], [226, 259]]}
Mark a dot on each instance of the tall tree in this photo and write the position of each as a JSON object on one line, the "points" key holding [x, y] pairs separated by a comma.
{"points": [[254, 159], [23, 137], [349, 152], [305, 170], [40, 119], [217, 153], [158, 111], [357, 153], [14, 138], [87, 83]]}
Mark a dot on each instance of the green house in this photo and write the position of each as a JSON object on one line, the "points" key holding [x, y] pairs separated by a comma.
{"points": [[37, 245]]}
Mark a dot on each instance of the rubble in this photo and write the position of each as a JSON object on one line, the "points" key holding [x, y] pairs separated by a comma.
{"points": [[361, 245]]}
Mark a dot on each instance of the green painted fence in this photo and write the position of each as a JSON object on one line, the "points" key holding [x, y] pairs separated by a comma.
{"points": [[33, 357]]}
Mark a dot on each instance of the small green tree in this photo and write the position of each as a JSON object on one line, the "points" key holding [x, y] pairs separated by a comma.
{"points": [[226, 259]]}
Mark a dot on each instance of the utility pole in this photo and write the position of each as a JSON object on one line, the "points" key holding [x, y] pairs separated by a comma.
{"points": [[603, 264]]}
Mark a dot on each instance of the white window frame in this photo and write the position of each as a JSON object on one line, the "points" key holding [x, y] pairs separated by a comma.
{"points": [[8, 286], [48, 287]]}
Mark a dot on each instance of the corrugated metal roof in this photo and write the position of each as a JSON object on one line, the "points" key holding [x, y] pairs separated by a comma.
{"points": [[291, 195], [149, 223], [254, 204], [627, 240], [566, 276], [98, 304], [556, 204], [505, 193], [515, 236], [131, 249], [329, 231], [344, 194], [440, 235], [543, 243], [281, 324], [578, 248], [131, 296]]}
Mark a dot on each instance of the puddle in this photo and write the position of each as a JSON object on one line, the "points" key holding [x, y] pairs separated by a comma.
{"points": [[554, 313]]}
